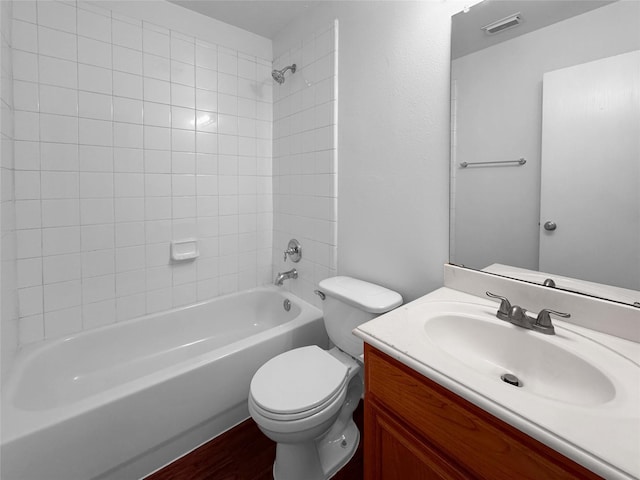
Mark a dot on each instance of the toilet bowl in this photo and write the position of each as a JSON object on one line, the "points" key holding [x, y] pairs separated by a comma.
{"points": [[304, 399]]}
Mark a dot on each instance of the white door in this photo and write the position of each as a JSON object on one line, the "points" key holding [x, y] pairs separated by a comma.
{"points": [[590, 184]]}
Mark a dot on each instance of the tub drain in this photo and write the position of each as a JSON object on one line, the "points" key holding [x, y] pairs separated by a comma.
{"points": [[287, 305], [511, 379]]}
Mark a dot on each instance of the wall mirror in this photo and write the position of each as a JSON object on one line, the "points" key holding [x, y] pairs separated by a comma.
{"points": [[545, 143]]}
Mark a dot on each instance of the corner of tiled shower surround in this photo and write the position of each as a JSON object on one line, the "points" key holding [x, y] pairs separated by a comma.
{"points": [[130, 133], [305, 159]]}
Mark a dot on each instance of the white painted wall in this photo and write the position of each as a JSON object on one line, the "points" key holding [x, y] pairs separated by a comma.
{"points": [[393, 138], [499, 117]]}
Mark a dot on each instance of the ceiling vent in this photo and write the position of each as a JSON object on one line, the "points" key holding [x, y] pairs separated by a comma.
{"points": [[503, 24]]}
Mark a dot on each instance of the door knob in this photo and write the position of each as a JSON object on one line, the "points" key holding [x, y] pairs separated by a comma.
{"points": [[550, 226]]}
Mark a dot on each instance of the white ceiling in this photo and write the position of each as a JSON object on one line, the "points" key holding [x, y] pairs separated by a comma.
{"points": [[468, 36], [268, 17], [262, 17]]}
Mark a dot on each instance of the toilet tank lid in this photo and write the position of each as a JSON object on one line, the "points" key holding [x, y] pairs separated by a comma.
{"points": [[364, 295]]}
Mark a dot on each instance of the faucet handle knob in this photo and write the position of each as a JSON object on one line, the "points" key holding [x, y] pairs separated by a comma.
{"points": [[544, 318], [505, 306], [294, 250], [543, 321]]}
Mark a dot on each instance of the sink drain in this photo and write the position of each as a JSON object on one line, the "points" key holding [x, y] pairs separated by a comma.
{"points": [[511, 379]]}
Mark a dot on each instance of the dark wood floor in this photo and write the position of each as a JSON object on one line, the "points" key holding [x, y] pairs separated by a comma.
{"points": [[245, 453]]}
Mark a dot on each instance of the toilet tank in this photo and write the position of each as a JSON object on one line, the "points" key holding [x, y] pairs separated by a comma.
{"points": [[350, 302]]}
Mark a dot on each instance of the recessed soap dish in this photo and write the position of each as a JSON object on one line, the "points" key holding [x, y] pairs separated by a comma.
{"points": [[182, 250]]}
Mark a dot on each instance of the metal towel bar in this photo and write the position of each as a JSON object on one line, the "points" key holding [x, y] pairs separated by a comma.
{"points": [[520, 161]]}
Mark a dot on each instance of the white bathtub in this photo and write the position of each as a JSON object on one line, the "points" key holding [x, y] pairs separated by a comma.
{"points": [[121, 401]]}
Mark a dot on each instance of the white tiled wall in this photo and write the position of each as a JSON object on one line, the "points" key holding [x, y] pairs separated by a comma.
{"points": [[9, 303], [305, 159], [129, 135]]}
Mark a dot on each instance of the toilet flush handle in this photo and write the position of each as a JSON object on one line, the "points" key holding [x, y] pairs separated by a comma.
{"points": [[320, 294]]}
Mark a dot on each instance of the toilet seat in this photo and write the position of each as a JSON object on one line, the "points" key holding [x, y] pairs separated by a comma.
{"points": [[298, 383]]}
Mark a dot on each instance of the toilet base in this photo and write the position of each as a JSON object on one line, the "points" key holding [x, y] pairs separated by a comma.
{"points": [[317, 460], [336, 453]]}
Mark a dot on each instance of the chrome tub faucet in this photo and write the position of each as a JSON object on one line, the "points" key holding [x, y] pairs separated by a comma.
{"points": [[282, 276]]}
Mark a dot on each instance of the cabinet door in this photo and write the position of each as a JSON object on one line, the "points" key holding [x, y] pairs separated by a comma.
{"points": [[392, 452]]}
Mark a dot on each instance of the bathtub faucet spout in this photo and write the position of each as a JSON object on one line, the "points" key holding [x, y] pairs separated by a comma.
{"points": [[281, 277]]}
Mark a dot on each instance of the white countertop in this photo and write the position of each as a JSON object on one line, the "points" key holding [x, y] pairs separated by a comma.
{"points": [[604, 438]]}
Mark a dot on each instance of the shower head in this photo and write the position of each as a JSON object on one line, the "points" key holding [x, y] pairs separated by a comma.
{"points": [[278, 75]]}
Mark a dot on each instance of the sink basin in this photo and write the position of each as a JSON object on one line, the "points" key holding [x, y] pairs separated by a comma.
{"points": [[544, 365]]}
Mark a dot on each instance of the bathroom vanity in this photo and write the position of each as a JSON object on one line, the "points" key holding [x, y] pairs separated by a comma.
{"points": [[436, 406], [418, 429]]}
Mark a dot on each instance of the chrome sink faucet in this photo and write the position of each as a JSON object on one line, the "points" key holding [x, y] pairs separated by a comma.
{"points": [[282, 276], [518, 316]]}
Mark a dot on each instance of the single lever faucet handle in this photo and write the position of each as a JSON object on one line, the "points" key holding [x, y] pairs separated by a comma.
{"points": [[289, 251], [543, 321], [505, 306], [544, 318], [294, 250]]}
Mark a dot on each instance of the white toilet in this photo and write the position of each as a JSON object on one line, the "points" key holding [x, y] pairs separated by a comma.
{"points": [[304, 399]]}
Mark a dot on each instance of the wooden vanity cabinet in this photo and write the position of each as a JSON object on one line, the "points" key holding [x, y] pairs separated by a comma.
{"points": [[417, 430]]}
